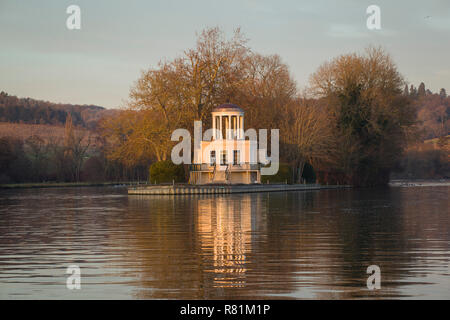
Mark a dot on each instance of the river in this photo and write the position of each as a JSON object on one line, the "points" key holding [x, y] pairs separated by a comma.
{"points": [[286, 245]]}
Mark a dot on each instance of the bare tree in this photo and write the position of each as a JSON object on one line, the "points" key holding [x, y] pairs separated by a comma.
{"points": [[309, 134], [76, 145], [38, 150], [364, 100]]}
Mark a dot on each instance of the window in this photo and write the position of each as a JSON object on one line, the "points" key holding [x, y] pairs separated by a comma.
{"points": [[223, 157], [212, 158], [236, 157]]}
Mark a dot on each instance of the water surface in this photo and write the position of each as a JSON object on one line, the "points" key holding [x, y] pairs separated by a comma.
{"points": [[306, 244]]}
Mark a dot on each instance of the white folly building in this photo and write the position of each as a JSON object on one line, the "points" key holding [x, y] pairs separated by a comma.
{"points": [[228, 158]]}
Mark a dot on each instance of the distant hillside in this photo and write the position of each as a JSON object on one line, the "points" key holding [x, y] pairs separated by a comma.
{"points": [[433, 111], [31, 111], [53, 134]]}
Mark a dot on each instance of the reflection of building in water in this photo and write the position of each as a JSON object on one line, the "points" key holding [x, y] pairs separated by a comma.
{"points": [[224, 228], [228, 157]]}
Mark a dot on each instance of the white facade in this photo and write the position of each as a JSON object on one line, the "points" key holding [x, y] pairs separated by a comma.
{"points": [[228, 157]]}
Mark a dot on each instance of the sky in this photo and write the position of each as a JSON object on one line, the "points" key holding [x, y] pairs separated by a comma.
{"points": [[42, 59]]}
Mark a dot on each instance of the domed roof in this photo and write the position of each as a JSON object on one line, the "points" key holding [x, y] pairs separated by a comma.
{"points": [[227, 107]]}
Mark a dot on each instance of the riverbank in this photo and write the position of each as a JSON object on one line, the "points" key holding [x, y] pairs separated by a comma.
{"points": [[224, 189], [419, 183], [136, 187], [33, 185]]}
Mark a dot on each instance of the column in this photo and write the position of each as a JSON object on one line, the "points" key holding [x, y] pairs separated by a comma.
{"points": [[214, 127], [229, 128], [239, 119], [220, 127]]}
